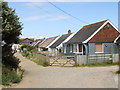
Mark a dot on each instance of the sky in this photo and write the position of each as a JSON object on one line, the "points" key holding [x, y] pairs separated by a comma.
{"points": [[41, 19]]}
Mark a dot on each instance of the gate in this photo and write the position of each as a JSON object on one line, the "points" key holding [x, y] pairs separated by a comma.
{"points": [[62, 61]]}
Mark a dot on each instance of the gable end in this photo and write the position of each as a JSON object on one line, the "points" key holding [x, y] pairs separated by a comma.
{"points": [[108, 33]]}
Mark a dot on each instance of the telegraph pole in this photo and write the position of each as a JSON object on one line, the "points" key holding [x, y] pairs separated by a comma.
{"points": [[119, 43]]}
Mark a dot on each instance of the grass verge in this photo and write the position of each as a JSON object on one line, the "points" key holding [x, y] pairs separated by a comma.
{"points": [[38, 61], [11, 76], [97, 65]]}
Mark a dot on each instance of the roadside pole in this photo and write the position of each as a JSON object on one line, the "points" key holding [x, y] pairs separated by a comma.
{"points": [[119, 43], [119, 67]]}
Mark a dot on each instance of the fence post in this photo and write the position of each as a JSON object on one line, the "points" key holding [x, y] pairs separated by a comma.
{"points": [[96, 58], [87, 57], [104, 57], [76, 62]]}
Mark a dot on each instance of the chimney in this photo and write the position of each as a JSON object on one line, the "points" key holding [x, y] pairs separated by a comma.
{"points": [[69, 31]]}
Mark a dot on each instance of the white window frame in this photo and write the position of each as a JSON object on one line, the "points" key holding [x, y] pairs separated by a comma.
{"points": [[77, 46], [65, 50], [102, 48], [71, 48]]}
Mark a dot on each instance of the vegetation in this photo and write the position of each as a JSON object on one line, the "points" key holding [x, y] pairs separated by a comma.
{"points": [[10, 76], [118, 72], [29, 54], [29, 48], [98, 64], [44, 49], [39, 61], [11, 29]]}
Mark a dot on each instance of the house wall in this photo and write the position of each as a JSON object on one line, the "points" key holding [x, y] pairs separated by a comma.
{"points": [[67, 47], [108, 48], [26, 41], [52, 51], [73, 48], [105, 34], [90, 48]]}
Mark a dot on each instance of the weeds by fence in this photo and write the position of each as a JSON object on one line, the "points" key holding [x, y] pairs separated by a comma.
{"points": [[37, 58], [94, 60], [41, 59], [97, 58]]}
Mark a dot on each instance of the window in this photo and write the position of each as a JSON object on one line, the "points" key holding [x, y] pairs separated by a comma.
{"points": [[108, 26], [74, 47], [71, 48], [80, 47], [98, 48], [64, 49]]}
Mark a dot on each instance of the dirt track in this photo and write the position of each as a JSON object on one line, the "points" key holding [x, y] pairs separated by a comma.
{"points": [[36, 76]]}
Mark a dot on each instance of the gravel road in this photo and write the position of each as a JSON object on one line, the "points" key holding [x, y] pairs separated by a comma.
{"points": [[36, 76]]}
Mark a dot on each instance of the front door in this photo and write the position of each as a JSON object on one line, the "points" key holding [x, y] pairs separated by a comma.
{"points": [[82, 49]]}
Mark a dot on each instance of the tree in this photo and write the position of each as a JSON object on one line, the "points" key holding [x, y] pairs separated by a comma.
{"points": [[11, 29]]}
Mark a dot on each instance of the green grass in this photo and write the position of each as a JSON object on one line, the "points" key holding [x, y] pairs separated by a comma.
{"points": [[98, 64], [25, 54], [36, 60], [10, 76]]}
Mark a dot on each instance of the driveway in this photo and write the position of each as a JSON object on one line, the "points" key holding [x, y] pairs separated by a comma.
{"points": [[36, 76]]}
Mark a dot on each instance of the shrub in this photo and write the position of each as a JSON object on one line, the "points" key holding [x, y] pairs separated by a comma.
{"points": [[29, 48], [25, 54], [118, 72], [11, 62], [45, 64], [44, 49], [9, 76], [109, 62]]}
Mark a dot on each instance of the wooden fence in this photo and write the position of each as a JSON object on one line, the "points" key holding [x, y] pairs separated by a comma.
{"points": [[96, 58], [76, 59]]}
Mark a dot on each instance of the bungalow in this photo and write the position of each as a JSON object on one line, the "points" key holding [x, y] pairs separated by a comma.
{"points": [[26, 40], [117, 41], [94, 38], [37, 42], [45, 44], [57, 46]]}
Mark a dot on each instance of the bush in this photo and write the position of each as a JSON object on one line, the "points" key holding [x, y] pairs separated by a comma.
{"points": [[25, 54], [9, 76], [45, 64], [29, 48], [118, 72], [11, 62], [109, 62], [44, 49]]}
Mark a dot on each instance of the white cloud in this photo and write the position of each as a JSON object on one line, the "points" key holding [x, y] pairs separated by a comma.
{"points": [[58, 17], [32, 4], [49, 17]]}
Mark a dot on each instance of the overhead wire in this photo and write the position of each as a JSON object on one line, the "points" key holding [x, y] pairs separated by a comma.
{"points": [[72, 24], [67, 13]]}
